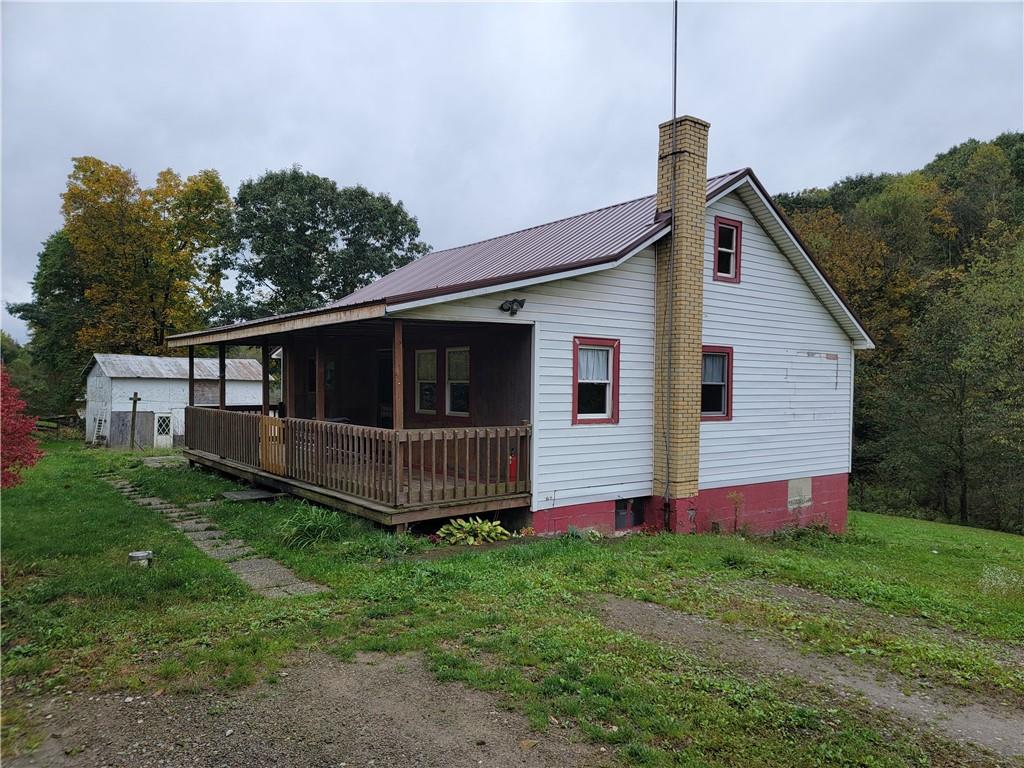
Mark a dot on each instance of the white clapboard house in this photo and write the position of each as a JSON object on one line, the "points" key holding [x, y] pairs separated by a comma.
{"points": [[162, 386], [679, 361]]}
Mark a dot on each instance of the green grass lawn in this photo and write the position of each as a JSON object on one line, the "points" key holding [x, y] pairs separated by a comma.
{"points": [[520, 620]]}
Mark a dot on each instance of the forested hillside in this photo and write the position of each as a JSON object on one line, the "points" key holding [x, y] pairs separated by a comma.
{"points": [[933, 264]]}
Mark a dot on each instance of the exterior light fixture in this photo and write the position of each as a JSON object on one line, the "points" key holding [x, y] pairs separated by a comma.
{"points": [[512, 306]]}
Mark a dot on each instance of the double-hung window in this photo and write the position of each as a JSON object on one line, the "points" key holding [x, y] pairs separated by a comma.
{"points": [[426, 381], [595, 381], [716, 384], [457, 381], [728, 237]]}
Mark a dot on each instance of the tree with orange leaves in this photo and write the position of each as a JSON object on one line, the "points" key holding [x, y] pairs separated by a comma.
{"points": [[149, 257]]}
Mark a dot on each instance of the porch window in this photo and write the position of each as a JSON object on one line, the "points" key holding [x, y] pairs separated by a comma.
{"points": [[426, 381], [595, 381], [716, 384], [457, 381], [728, 236]]}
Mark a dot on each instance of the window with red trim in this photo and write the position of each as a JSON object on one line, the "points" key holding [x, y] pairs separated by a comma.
{"points": [[728, 242], [716, 384], [595, 381]]}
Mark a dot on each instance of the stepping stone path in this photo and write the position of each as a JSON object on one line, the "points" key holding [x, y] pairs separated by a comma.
{"points": [[164, 461], [266, 577]]}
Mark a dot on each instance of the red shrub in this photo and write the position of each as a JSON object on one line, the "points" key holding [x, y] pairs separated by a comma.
{"points": [[18, 449]]}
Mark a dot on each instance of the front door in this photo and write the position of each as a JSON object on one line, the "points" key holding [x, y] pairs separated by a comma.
{"points": [[162, 437]]}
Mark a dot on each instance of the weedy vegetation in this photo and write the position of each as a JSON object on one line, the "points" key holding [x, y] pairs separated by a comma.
{"points": [[936, 603]]}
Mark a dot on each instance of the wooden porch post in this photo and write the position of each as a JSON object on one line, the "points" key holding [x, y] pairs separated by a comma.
{"points": [[321, 382], [222, 369], [397, 379], [265, 362], [191, 374]]}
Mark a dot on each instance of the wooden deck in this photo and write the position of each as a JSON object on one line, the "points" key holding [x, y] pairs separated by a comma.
{"points": [[394, 477]]}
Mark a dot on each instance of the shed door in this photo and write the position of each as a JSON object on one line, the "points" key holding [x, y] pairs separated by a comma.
{"points": [[162, 437]]}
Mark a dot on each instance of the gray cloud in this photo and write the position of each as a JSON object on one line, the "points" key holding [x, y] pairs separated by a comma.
{"points": [[486, 118]]}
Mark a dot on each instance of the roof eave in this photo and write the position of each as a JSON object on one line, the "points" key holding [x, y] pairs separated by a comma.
{"points": [[255, 329]]}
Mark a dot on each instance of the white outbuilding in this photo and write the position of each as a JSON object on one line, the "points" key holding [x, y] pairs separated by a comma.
{"points": [[161, 385]]}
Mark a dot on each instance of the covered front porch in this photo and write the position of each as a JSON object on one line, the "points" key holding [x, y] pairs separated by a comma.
{"points": [[397, 421]]}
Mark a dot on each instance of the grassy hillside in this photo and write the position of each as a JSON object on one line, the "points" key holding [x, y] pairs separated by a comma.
{"points": [[934, 604]]}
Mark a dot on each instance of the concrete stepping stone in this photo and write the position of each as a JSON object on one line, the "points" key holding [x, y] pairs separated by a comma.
{"points": [[164, 461], [224, 553], [304, 588], [203, 535], [254, 494], [261, 572], [266, 577], [190, 526]]}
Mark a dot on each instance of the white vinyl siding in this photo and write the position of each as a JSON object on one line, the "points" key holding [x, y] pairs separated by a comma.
{"points": [[792, 368], [576, 464]]}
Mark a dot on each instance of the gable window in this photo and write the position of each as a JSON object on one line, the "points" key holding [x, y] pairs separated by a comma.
{"points": [[595, 369], [716, 384], [426, 381], [728, 239], [457, 381]]}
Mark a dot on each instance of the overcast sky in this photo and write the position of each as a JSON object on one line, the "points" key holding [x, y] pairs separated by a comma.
{"points": [[487, 118]]}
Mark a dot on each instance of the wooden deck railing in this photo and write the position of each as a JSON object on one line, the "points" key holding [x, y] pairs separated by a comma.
{"points": [[398, 468]]}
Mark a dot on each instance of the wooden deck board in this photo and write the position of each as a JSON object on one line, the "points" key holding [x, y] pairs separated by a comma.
{"points": [[380, 513]]}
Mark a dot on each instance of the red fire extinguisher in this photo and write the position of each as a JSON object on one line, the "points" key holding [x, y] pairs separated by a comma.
{"points": [[513, 466]]}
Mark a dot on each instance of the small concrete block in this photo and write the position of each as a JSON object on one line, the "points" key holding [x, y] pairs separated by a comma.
{"points": [[252, 495], [201, 504], [151, 501]]}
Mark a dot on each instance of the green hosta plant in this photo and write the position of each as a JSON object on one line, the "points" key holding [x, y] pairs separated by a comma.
{"points": [[473, 531]]}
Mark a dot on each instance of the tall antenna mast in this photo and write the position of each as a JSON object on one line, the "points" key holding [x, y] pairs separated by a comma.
{"points": [[675, 51], [671, 288]]}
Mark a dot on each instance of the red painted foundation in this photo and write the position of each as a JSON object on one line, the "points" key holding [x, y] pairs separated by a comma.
{"points": [[598, 514], [755, 508]]}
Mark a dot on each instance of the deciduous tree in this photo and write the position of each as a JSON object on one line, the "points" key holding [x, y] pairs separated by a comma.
{"points": [[304, 242], [18, 449], [50, 378], [147, 256]]}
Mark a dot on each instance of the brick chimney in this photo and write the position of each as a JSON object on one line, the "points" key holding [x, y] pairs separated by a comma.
{"points": [[680, 264]]}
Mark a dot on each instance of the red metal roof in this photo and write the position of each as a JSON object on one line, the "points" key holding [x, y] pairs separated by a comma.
{"points": [[583, 240]]}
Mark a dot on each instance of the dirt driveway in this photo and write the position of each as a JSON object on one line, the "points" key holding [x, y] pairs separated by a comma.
{"points": [[378, 711], [997, 726]]}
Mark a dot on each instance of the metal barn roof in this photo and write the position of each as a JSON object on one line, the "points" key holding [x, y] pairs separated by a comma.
{"points": [[153, 367]]}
